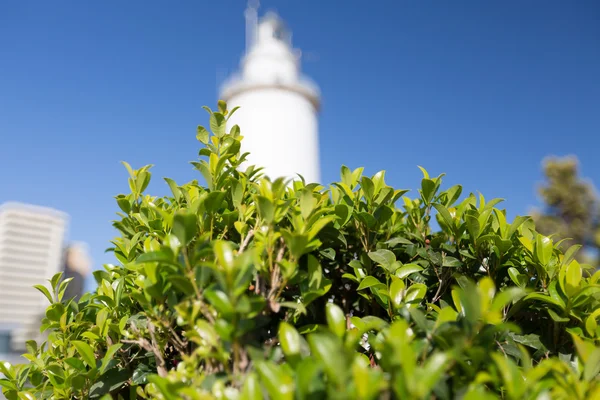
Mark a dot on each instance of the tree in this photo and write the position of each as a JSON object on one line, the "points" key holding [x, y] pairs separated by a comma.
{"points": [[571, 205], [247, 288]]}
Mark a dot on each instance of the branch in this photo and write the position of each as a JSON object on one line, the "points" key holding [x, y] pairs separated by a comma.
{"points": [[275, 279], [150, 347], [246, 240], [160, 361], [179, 344]]}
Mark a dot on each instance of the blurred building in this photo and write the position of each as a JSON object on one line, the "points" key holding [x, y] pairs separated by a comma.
{"points": [[77, 265], [31, 252], [278, 106]]}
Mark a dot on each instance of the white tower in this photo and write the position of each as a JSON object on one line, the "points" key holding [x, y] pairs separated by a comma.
{"points": [[31, 246], [278, 106]]}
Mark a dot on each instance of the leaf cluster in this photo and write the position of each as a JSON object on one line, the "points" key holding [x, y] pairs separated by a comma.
{"points": [[251, 288]]}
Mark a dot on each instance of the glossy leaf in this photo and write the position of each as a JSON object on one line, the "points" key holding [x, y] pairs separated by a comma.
{"points": [[335, 319], [383, 257], [368, 282], [86, 352]]}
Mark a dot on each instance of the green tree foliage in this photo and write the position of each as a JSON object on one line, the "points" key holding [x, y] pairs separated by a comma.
{"points": [[248, 288], [571, 206]]}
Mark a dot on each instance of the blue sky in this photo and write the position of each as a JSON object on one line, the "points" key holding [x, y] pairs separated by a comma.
{"points": [[482, 91]]}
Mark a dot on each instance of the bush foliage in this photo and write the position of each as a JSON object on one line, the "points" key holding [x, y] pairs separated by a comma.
{"points": [[250, 288]]}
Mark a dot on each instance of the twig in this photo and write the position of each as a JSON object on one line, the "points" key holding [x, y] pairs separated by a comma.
{"points": [[150, 347], [179, 344], [437, 295], [246, 240], [160, 361], [275, 279], [501, 348]]}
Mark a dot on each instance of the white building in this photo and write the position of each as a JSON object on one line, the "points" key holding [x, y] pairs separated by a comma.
{"points": [[278, 106], [31, 252]]}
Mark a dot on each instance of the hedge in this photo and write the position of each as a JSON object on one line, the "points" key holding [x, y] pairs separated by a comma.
{"points": [[252, 288]]}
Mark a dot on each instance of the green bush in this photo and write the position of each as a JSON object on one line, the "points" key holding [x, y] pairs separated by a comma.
{"points": [[250, 288]]}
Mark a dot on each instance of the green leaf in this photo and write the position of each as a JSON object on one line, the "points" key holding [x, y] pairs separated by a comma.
{"points": [[266, 209], [45, 292], [366, 219], [526, 242], [397, 292], [86, 352], [290, 339], [543, 249], [428, 188], [213, 202], [113, 380], [517, 277], [591, 324], [31, 346], [573, 277], [556, 317], [453, 194], [308, 383], [231, 112], [5, 383], [451, 262], [174, 188], [307, 203], [222, 106], [415, 294], [570, 254], [473, 226], [368, 188], [110, 352], [407, 269], [318, 225], [279, 385], [207, 332], [508, 295], [445, 215], [343, 212], [335, 319], [220, 301], [6, 369], [217, 124], [530, 340], [398, 240], [543, 298], [297, 243], [251, 389], [184, 226], [129, 169], [224, 255], [431, 373], [346, 176], [327, 348], [519, 220], [383, 257], [591, 370], [182, 283], [351, 277], [202, 134], [163, 255], [368, 282]]}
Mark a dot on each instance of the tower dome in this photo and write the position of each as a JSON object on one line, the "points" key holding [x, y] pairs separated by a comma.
{"points": [[278, 106]]}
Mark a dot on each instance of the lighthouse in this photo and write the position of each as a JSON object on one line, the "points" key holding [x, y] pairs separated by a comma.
{"points": [[278, 113]]}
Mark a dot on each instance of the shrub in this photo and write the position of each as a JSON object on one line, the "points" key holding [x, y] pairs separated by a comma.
{"points": [[248, 288]]}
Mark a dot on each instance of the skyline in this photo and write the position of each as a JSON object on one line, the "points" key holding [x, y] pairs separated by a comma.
{"points": [[403, 85]]}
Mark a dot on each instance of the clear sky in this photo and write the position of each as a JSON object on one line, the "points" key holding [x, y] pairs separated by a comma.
{"points": [[480, 90]]}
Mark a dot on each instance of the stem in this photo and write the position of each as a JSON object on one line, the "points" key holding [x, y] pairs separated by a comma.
{"points": [[246, 240]]}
